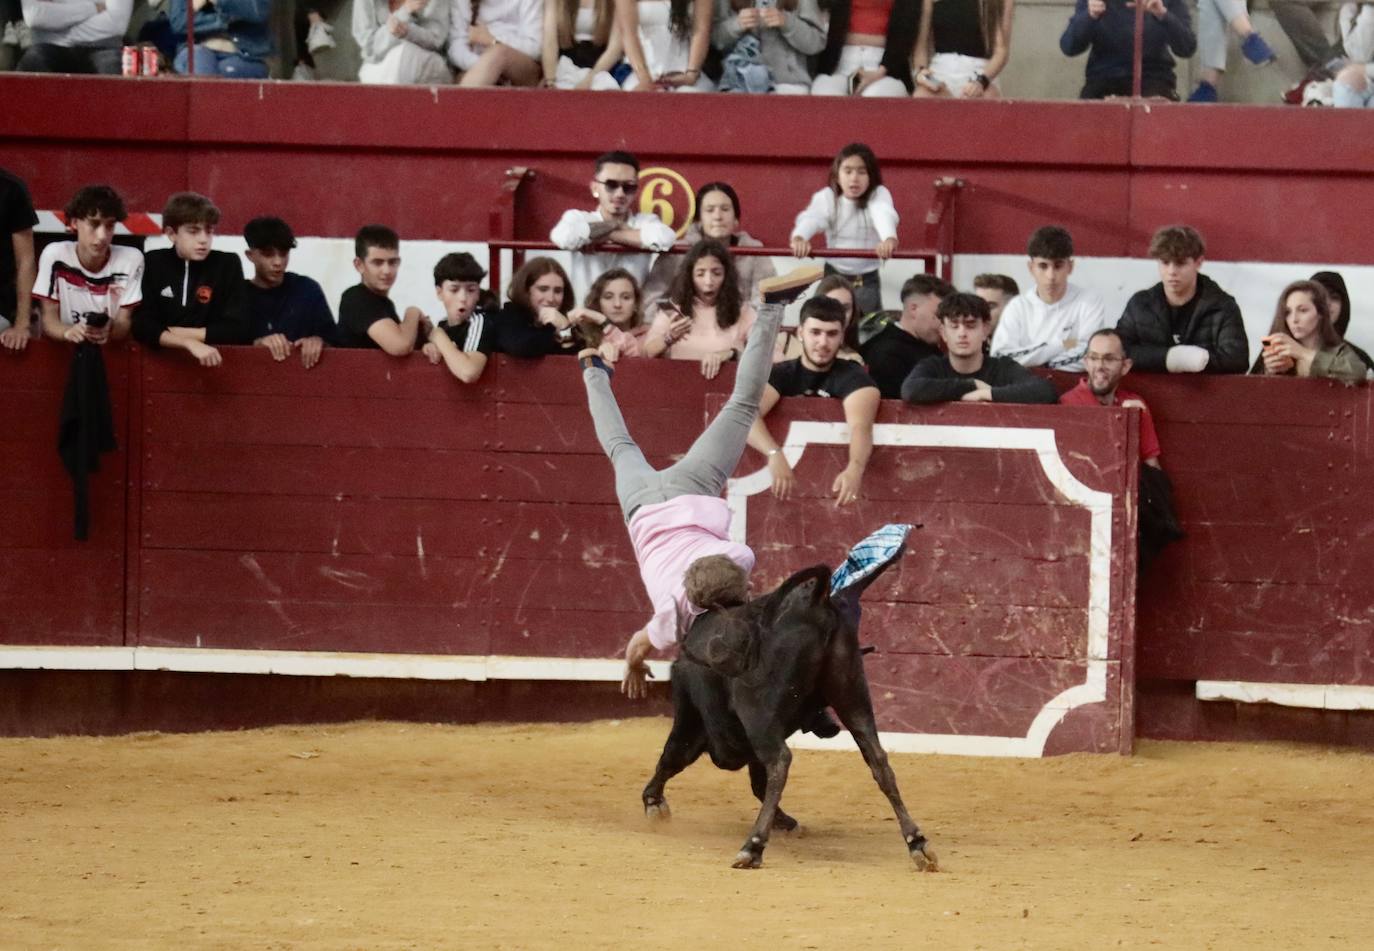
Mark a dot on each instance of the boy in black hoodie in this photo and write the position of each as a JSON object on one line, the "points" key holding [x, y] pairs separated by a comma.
{"points": [[193, 297]]}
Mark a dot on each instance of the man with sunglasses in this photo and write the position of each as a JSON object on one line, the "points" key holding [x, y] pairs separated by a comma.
{"points": [[615, 186]]}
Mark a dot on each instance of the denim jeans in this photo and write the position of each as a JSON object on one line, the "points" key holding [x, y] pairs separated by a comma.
{"points": [[213, 63]]}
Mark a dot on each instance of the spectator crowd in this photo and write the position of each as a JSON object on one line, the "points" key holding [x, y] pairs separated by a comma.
{"points": [[940, 344], [886, 48]]}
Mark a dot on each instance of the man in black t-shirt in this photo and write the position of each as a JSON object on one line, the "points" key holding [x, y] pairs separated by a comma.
{"points": [[891, 354], [18, 264], [367, 317], [966, 373], [818, 372]]}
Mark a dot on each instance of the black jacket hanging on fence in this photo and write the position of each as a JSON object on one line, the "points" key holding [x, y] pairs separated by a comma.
{"points": [[1158, 523], [86, 428]]}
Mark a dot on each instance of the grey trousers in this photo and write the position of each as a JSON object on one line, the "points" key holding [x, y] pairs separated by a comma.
{"points": [[1300, 23], [716, 452]]}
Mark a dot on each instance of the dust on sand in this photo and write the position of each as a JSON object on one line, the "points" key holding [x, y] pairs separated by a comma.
{"points": [[383, 835]]}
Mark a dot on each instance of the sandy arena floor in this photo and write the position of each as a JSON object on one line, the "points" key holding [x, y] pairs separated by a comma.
{"points": [[379, 836]]}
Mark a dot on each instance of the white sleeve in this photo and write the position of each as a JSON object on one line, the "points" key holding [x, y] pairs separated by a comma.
{"points": [[572, 231], [42, 284], [816, 216], [373, 38], [1009, 332], [133, 291], [522, 29], [883, 213], [460, 51], [1012, 338], [654, 235], [1357, 31]]}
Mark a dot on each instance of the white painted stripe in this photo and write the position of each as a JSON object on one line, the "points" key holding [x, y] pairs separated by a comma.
{"points": [[320, 663], [1311, 696], [478, 668], [1040, 441]]}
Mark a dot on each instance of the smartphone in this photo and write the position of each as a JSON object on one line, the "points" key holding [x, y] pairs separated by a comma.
{"points": [[97, 320], [765, 4]]}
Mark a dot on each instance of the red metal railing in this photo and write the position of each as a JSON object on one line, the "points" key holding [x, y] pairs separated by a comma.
{"points": [[937, 253]]}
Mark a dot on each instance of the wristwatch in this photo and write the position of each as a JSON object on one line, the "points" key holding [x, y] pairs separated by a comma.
{"points": [[982, 80]]}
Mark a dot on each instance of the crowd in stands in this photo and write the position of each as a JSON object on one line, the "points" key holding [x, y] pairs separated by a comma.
{"points": [[889, 48], [941, 345]]}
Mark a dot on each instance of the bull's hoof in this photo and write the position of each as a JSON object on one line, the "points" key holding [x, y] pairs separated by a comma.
{"points": [[924, 857], [782, 822], [747, 859], [751, 856], [658, 811]]}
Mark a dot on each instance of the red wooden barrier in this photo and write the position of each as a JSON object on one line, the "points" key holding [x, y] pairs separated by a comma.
{"points": [[432, 162], [375, 506], [54, 590]]}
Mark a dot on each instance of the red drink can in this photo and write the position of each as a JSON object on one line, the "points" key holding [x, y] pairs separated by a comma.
{"points": [[131, 60], [149, 61]]}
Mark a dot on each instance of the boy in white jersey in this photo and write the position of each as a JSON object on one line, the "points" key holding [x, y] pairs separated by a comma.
{"points": [[1049, 325], [88, 288]]}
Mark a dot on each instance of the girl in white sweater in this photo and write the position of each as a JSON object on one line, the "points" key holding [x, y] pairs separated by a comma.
{"points": [[855, 211]]}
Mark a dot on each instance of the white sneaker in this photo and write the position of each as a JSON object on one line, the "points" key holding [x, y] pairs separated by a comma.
{"points": [[23, 36], [303, 73], [320, 37], [10, 36]]}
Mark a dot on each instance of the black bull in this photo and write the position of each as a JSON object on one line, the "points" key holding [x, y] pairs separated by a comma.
{"points": [[750, 676]]}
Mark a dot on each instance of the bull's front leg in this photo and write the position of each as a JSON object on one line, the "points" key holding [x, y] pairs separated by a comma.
{"points": [[775, 768], [856, 712]]}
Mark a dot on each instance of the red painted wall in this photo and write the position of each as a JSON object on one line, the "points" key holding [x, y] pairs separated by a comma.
{"points": [[431, 161]]}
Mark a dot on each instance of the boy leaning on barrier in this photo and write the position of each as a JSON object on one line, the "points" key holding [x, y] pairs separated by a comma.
{"points": [[466, 337], [966, 373], [367, 315], [87, 288], [193, 297], [287, 311]]}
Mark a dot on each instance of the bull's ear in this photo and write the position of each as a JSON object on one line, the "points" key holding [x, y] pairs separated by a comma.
{"points": [[804, 591]]}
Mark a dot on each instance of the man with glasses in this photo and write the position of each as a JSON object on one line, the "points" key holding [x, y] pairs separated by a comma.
{"points": [[615, 186], [966, 373], [1107, 363]]}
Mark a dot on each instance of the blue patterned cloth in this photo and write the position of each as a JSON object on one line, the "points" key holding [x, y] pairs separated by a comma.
{"points": [[869, 556]]}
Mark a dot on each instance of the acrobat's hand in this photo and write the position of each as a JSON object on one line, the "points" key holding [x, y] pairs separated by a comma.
{"points": [[635, 683]]}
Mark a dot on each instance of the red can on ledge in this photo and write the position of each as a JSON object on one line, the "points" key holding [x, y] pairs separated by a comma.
{"points": [[148, 61], [132, 60]]}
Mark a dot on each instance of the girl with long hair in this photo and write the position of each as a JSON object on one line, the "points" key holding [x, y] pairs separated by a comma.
{"points": [[1302, 341], [962, 47], [610, 318], [534, 321], [855, 210], [703, 317], [581, 44], [718, 217], [666, 43], [868, 48]]}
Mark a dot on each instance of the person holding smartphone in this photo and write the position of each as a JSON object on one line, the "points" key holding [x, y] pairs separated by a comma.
{"points": [[1106, 28], [868, 48], [87, 289], [789, 32]]}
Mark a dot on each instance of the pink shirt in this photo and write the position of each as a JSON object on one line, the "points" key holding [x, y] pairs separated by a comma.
{"points": [[669, 536], [705, 336], [628, 343]]}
